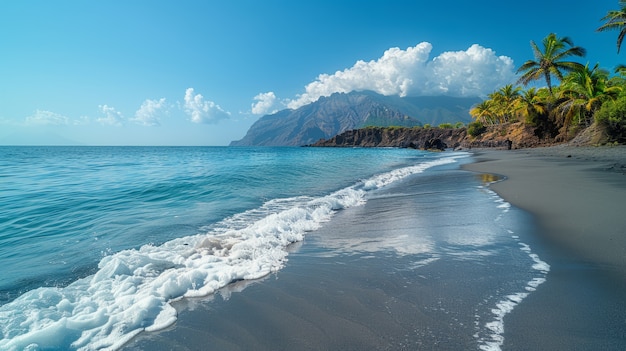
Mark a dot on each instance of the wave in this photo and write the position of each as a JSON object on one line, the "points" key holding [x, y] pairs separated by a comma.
{"points": [[132, 290]]}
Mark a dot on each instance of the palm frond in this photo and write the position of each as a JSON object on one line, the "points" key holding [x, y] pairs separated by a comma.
{"points": [[620, 37]]}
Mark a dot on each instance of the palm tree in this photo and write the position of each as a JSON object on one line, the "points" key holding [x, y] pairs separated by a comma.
{"points": [[621, 70], [504, 102], [549, 62], [532, 105], [616, 20], [583, 93], [511, 96], [620, 78], [483, 112]]}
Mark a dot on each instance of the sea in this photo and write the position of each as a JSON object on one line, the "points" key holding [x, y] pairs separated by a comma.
{"points": [[98, 244]]}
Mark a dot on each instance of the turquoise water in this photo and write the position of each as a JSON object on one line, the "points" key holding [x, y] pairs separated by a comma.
{"points": [[95, 242], [63, 209]]}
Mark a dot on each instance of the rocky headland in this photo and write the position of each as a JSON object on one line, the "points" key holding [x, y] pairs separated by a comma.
{"points": [[513, 135]]}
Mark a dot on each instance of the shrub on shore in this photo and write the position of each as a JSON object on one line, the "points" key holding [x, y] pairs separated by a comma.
{"points": [[612, 116], [475, 129]]}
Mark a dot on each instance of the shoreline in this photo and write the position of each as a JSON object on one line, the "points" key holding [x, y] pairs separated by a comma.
{"points": [[322, 300], [576, 194]]}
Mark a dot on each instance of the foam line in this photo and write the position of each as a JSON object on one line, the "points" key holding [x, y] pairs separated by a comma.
{"points": [[132, 289], [495, 339]]}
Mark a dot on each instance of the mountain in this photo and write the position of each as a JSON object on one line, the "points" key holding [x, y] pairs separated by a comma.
{"points": [[339, 112]]}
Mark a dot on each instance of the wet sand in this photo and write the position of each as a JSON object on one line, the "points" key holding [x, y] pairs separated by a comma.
{"points": [[364, 302], [344, 288], [578, 197]]}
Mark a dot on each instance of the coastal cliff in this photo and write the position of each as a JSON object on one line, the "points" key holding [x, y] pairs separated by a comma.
{"points": [[498, 136]]}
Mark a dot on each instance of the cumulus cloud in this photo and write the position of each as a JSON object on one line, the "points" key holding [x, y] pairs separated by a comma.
{"points": [[42, 117], [201, 110], [150, 112], [476, 71], [265, 103], [111, 117]]}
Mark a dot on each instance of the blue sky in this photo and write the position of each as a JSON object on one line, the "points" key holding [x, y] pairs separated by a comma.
{"points": [[201, 72]]}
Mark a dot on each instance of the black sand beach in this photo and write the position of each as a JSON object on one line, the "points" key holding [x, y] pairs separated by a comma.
{"points": [[578, 197], [336, 294]]}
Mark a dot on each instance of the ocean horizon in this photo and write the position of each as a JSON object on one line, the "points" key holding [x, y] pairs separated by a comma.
{"points": [[98, 243]]}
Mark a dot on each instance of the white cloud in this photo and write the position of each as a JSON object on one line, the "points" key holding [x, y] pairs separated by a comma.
{"points": [[265, 103], [42, 117], [82, 121], [203, 111], [474, 72], [150, 112], [112, 117]]}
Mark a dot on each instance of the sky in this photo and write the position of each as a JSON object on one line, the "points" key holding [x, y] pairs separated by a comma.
{"points": [[186, 72]]}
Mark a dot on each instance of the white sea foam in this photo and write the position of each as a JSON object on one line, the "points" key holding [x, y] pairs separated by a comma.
{"points": [[495, 339], [390, 177], [132, 289]]}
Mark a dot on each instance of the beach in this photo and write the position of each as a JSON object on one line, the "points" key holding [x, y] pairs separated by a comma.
{"points": [[577, 196], [325, 300], [576, 193]]}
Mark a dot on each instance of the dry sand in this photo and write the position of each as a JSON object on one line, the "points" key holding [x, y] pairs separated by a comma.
{"points": [[578, 195]]}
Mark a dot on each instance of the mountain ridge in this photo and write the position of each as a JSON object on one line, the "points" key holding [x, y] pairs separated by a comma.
{"points": [[335, 114]]}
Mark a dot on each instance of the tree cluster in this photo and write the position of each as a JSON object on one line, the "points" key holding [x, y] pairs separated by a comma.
{"points": [[585, 94]]}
